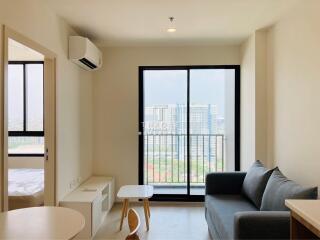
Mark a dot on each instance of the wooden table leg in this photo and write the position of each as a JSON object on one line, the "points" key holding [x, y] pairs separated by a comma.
{"points": [[126, 209], [125, 202], [146, 214], [148, 204]]}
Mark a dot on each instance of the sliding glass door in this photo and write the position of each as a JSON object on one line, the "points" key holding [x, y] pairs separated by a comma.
{"points": [[165, 130], [188, 127]]}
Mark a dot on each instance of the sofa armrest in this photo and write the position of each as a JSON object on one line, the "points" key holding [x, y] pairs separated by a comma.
{"points": [[224, 183], [262, 225]]}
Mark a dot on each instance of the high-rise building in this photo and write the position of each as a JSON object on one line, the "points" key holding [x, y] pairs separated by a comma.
{"points": [[169, 124], [172, 119]]}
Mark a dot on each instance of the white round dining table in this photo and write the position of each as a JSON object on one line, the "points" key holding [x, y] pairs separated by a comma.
{"points": [[41, 223]]}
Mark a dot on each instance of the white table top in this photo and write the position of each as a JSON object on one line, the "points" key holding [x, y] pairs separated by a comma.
{"points": [[41, 223], [135, 191]]}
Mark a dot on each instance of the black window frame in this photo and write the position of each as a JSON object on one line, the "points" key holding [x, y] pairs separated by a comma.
{"points": [[25, 132], [185, 197]]}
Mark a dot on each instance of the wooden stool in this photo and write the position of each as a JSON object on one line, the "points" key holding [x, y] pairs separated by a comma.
{"points": [[132, 192]]}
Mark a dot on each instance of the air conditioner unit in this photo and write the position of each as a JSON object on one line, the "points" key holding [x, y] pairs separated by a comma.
{"points": [[84, 53]]}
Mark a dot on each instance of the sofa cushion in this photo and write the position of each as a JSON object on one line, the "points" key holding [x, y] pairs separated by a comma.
{"points": [[280, 188], [220, 210], [255, 182]]}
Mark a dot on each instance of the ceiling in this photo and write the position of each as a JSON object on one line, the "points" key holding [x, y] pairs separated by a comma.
{"points": [[144, 22]]}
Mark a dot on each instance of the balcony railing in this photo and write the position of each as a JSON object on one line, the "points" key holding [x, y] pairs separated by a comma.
{"points": [[166, 158]]}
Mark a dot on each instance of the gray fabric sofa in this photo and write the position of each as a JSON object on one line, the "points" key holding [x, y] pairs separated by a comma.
{"points": [[230, 215]]}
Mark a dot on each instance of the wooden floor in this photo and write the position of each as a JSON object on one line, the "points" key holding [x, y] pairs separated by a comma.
{"points": [[169, 221]]}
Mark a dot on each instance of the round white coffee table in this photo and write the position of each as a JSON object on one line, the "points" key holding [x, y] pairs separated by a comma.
{"points": [[132, 192], [41, 223]]}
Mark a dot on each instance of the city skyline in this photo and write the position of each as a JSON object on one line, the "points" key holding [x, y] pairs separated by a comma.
{"points": [[172, 118]]}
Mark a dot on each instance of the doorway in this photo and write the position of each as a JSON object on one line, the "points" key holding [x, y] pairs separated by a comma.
{"points": [[28, 139], [189, 126]]}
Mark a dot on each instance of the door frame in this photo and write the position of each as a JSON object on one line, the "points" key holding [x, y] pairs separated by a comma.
{"points": [[186, 197], [49, 116]]}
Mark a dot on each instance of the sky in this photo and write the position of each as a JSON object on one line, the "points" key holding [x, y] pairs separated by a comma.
{"points": [[34, 87], [207, 86]]}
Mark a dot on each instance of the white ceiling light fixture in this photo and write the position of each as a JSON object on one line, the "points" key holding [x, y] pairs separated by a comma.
{"points": [[171, 29]]}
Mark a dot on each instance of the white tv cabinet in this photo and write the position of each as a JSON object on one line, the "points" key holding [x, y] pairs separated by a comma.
{"points": [[94, 198]]}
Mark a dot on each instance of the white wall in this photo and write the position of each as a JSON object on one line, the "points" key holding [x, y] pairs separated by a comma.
{"points": [[280, 99], [25, 162], [293, 71], [248, 108], [261, 99], [20, 52], [116, 101], [254, 110], [35, 20]]}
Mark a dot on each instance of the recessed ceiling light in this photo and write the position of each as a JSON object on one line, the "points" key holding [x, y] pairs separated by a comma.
{"points": [[171, 29]]}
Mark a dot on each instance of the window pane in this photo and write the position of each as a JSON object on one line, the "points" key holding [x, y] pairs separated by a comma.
{"points": [[34, 81], [165, 129], [15, 97], [212, 108], [26, 145]]}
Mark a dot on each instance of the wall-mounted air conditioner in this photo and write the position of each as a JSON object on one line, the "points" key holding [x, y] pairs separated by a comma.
{"points": [[84, 53]]}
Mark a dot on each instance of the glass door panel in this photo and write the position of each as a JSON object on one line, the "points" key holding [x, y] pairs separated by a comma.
{"points": [[165, 130], [212, 124]]}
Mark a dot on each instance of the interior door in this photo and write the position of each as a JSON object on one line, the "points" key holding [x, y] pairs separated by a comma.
{"points": [[12, 40]]}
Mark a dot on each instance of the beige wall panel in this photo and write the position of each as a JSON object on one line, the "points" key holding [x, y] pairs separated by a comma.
{"points": [[1, 118], [248, 107], [294, 60], [116, 101], [73, 89]]}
